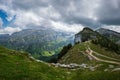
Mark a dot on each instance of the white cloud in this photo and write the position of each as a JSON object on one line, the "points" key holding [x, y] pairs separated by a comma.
{"points": [[35, 17], [67, 27], [26, 18], [9, 30]]}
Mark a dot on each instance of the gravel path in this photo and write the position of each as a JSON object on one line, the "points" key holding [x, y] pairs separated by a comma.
{"points": [[90, 52]]}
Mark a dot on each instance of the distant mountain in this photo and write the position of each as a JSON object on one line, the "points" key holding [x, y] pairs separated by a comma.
{"points": [[4, 39], [112, 35], [39, 42]]}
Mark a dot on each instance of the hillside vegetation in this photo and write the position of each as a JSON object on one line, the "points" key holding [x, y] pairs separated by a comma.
{"points": [[16, 65], [77, 54], [19, 66]]}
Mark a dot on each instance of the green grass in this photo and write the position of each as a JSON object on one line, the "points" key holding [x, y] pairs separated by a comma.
{"points": [[19, 66], [98, 75], [48, 53], [73, 56], [103, 51], [77, 55]]}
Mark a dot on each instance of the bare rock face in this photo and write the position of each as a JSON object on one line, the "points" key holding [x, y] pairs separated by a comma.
{"points": [[85, 35], [77, 38]]}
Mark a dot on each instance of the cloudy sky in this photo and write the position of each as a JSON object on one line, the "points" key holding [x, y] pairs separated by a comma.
{"points": [[65, 15]]}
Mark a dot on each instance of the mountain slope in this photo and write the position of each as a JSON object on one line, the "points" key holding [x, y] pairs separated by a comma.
{"points": [[39, 42], [88, 34], [112, 35], [78, 54], [89, 41], [19, 66]]}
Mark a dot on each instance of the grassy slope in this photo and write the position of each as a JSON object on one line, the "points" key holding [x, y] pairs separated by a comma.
{"points": [[76, 54], [103, 51], [18, 66]]}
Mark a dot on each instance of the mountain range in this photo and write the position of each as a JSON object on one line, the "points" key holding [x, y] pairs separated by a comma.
{"points": [[45, 44], [40, 42]]}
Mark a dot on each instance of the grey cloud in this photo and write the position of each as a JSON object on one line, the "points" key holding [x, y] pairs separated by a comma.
{"points": [[70, 10], [76, 11], [109, 12], [28, 4], [84, 11]]}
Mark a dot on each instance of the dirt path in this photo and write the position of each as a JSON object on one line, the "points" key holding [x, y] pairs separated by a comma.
{"points": [[105, 56], [116, 69], [90, 52]]}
